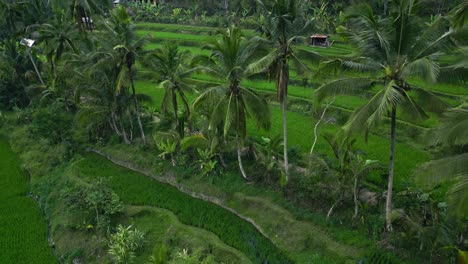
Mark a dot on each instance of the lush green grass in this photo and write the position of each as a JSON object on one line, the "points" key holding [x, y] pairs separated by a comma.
{"points": [[23, 231], [137, 189], [159, 35]]}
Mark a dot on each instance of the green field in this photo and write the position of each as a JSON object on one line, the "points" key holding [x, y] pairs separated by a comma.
{"points": [[23, 238]]}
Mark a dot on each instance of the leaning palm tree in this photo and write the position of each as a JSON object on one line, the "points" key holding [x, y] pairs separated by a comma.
{"points": [[232, 103], [452, 134], [285, 21], [393, 50], [171, 68]]}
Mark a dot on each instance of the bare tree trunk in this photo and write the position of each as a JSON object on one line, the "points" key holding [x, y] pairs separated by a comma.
{"points": [[137, 106], [388, 204], [239, 158], [316, 126]]}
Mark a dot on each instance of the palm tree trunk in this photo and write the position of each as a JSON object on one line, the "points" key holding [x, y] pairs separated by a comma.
{"points": [[283, 87], [176, 109], [137, 106], [333, 207], [356, 205], [285, 140], [239, 159], [124, 134], [388, 204], [317, 124], [35, 67], [131, 125]]}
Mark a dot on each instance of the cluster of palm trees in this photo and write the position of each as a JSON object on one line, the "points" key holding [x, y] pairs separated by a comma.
{"points": [[94, 71]]}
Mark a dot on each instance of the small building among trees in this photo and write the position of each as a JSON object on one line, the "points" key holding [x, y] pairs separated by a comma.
{"points": [[319, 40]]}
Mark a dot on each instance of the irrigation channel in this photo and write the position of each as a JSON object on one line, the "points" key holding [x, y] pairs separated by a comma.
{"points": [[23, 229]]}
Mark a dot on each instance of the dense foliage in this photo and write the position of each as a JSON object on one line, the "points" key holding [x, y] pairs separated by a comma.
{"points": [[89, 76]]}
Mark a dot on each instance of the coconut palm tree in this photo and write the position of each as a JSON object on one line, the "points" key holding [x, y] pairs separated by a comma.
{"points": [[171, 66], [127, 48], [392, 49], [285, 21], [102, 103], [232, 103], [58, 37]]}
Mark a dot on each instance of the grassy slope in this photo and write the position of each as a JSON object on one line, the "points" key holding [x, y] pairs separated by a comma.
{"points": [[305, 241], [70, 234], [138, 190], [23, 230]]}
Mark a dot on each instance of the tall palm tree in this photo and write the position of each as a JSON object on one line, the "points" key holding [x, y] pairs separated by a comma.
{"points": [[284, 23], [171, 67], [127, 47], [233, 103], [58, 37], [392, 49]]}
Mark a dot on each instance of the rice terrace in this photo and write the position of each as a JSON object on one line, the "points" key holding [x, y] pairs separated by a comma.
{"points": [[234, 131]]}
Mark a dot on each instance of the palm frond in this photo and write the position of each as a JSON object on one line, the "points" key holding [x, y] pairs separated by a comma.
{"points": [[434, 172], [257, 107], [391, 97], [346, 86], [454, 128], [458, 196], [460, 15], [210, 95], [429, 101], [262, 64], [425, 68]]}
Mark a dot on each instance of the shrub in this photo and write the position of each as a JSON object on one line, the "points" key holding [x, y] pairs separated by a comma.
{"points": [[96, 202], [52, 122], [125, 243]]}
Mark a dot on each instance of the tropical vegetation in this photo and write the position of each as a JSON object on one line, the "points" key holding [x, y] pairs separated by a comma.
{"points": [[215, 132]]}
